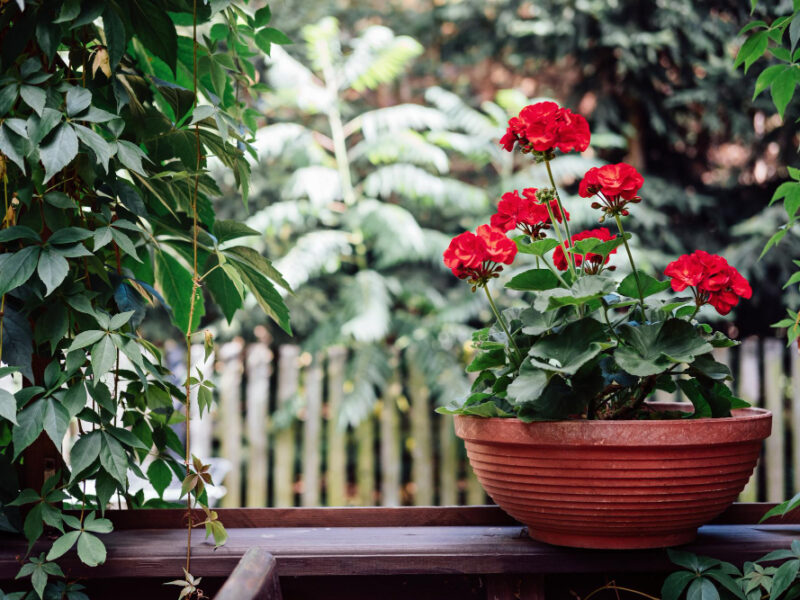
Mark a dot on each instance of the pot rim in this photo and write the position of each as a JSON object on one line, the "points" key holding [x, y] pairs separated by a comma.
{"points": [[744, 424]]}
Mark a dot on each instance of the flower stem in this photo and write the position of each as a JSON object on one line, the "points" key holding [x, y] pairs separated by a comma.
{"points": [[570, 257], [502, 322], [630, 258], [553, 270]]}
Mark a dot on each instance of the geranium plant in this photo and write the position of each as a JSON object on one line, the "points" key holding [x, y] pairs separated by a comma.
{"points": [[588, 344]]}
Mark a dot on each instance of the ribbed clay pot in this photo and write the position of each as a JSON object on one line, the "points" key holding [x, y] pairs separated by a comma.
{"points": [[615, 484]]}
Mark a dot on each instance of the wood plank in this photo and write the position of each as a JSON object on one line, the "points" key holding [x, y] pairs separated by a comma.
{"points": [[254, 578], [417, 516], [230, 400], [259, 370], [448, 461], [336, 471], [312, 432], [365, 461], [283, 470], [774, 455], [307, 551]]}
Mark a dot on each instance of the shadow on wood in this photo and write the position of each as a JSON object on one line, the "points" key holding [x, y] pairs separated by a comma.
{"points": [[254, 578]]}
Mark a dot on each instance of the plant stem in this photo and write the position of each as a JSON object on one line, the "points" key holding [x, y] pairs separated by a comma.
{"points": [[613, 586], [553, 270], [570, 257], [502, 322], [630, 258]]}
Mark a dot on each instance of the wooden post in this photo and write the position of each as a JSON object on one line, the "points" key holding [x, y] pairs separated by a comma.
{"points": [[448, 462], [259, 370], [421, 431], [390, 439], [365, 461], [283, 474], [312, 430], [230, 399], [749, 390], [774, 444], [336, 475], [475, 493]]}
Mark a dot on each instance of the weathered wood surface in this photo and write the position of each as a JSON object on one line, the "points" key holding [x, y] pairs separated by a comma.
{"points": [[316, 551], [254, 578]]}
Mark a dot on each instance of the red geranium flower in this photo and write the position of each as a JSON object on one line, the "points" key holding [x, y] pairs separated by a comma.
{"points": [[526, 213], [712, 279], [618, 185], [596, 260], [477, 257], [543, 126]]}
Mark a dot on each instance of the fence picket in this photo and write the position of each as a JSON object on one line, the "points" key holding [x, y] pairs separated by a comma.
{"points": [[390, 440], [259, 369], [448, 461], [312, 429], [230, 400], [421, 434], [336, 472], [283, 472], [750, 390], [365, 461], [773, 401]]}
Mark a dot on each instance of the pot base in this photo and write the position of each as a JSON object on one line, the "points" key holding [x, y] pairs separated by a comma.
{"points": [[612, 542]]}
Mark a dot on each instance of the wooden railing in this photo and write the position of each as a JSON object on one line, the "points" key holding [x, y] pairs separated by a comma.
{"points": [[254, 578]]}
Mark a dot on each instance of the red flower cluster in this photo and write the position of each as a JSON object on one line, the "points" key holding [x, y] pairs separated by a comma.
{"points": [[617, 184], [543, 126], [525, 212], [477, 257], [594, 261], [711, 278]]}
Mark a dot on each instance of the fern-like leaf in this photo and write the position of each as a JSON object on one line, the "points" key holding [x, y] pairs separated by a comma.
{"points": [[319, 184], [398, 118], [367, 371], [391, 231], [462, 115], [449, 196], [368, 303], [295, 85], [313, 254], [402, 146], [378, 57], [322, 43]]}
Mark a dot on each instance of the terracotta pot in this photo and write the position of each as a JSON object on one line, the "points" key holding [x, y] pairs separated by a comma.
{"points": [[615, 484]]}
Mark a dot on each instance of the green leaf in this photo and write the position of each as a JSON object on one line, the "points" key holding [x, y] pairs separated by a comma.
{"points": [[38, 127], [536, 323], [176, 284], [537, 248], [582, 291], [93, 140], [91, 550], [53, 269], [75, 399], [569, 349], [34, 97], [32, 527], [270, 35], [59, 152], [766, 78], [95, 525], [125, 244], [56, 421], [155, 29], [69, 235], [267, 296], [12, 146], [160, 476], [8, 96], [18, 232], [85, 338], [127, 438], [263, 16], [652, 348], [650, 286], [752, 49], [104, 354], [84, 453], [783, 578], [113, 458], [116, 38], [702, 589], [131, 156], [17, 268], [534, 279], [63, 544], [253, 259], [78, 100], [528, 385], [226, 230], [8, 406], [30, 422], [783, 88], [675, 584]]}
